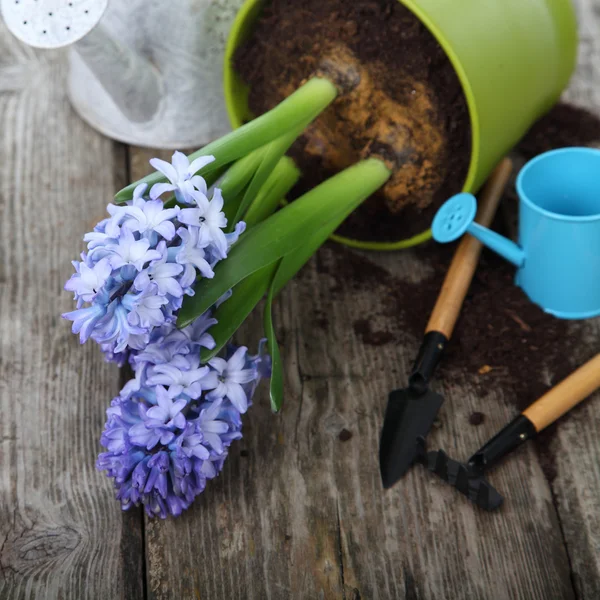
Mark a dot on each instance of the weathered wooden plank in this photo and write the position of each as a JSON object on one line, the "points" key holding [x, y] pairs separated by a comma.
{"points": [[419, 539], [61, 532], [575, 448]]}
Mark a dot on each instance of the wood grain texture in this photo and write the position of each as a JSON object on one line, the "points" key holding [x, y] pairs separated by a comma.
{"points": [[61, 532], [299, 511], [576, 448]]}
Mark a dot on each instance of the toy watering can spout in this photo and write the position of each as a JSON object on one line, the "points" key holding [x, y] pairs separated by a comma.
{"points": [[456, 217]]}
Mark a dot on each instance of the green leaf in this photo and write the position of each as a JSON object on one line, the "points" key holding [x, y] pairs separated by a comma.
{"points": [[212, 177], [240, 173], [282, 180], [276, 383], [284, 231], [305, 104], [292, 262], [231, 207], [271, 157], [234, 311], [248, 293]]}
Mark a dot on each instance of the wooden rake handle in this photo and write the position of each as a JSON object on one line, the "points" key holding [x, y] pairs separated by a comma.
{"points": [[566, 395], [466, 257]]}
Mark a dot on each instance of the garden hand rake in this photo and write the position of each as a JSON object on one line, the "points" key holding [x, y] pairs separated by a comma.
{"points": [[469, 478]]}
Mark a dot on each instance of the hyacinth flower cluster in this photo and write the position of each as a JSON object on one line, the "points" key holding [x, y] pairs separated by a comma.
{"points": [[169, 430], [170, 275], [144, 258]]}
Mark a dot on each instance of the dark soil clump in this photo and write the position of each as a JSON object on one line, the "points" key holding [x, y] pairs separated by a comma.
{"points": [[476, 418], [345, 435], [405, 98], [565, 125]]}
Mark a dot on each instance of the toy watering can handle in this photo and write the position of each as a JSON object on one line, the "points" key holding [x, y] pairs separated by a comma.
{"points": [[464, 263]]}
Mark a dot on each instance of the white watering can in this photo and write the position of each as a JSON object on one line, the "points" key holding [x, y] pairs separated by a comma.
{"points": [[144, 72]]}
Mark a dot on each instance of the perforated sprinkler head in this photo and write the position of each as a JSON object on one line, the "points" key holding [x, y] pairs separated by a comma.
{"points": [[454, 217], [51, 23]]}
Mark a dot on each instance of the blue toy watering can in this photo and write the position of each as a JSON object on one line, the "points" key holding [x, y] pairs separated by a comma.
{"points": [[558, 254]]}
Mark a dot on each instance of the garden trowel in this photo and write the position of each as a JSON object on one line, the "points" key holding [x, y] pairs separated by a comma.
{"points": [[469, 478], [411, 411]]}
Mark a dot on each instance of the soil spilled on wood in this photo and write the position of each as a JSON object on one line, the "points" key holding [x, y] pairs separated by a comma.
{"points": [[401, 99], [501, 341]]}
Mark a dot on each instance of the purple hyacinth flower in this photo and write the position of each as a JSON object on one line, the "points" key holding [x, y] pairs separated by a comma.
{"points": [[181, 175], [162, 445], [211, 426], [209, 218], [85, 320], [150, 216], [197, 330], [229, 376], [145, 307], [190, 443], [192, 251], [89, 281], [116, 329], [189, 379], [162, 273], [129, 251]]}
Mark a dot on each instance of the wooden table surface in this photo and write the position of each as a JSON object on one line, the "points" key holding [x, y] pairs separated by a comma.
{"points": [[299, 511]]}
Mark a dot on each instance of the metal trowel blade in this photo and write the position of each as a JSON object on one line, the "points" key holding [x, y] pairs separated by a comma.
{"points": [[409, 415]]}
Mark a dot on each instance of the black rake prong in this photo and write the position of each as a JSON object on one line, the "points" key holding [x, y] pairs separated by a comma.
{"points": [[469, 482], [488, 497], [462, 481]]}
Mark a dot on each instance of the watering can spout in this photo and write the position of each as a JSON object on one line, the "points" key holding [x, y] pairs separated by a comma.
{"points": [[499, 244], [456, 217], [138, 90]]}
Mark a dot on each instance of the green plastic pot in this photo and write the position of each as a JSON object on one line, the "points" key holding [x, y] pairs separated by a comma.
{"points": [[513, 59]]}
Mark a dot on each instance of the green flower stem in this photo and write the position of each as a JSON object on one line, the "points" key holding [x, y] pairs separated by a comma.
{"points": [[272, 155], [248, 293], [215, 175], [240, 173], [283, 178], [286, 231], [232, 313], [276, 381], [287, 268], [305, 104], [231, 207]]}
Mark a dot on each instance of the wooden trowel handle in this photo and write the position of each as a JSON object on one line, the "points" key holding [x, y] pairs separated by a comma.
{"points": [[566, 395], [466, 257]]}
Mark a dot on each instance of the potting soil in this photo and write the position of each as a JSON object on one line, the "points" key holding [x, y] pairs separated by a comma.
{"points": [[401, 99]]}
